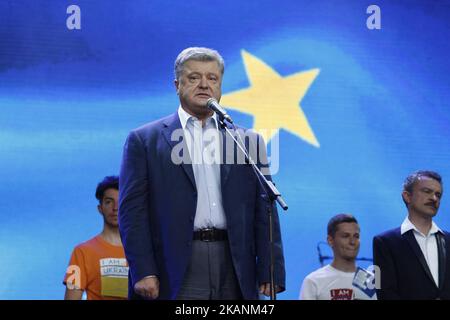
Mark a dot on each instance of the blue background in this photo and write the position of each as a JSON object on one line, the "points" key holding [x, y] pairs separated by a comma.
{"points": [[379, 108]]}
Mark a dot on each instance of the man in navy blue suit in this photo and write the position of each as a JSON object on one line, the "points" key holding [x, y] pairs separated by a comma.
{"points": [[193, 227], [413, 258]]}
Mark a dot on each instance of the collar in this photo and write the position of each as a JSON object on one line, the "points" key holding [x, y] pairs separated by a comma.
{"points": [[184, 118], [408, 225]]}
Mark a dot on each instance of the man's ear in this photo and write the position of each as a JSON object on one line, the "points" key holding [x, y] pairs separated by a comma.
{"points": [[177, 85], [99, 208], [406, 197], [330, 241]]}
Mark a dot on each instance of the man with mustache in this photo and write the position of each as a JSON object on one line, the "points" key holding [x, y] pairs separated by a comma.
{"points": [[413, 258]]}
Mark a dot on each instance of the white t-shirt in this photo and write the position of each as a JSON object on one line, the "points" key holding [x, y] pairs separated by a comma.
{"points": [[328, 283]]}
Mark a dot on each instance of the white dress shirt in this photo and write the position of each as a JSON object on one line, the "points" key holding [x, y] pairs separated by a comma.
{"points": [[204, 145], [427, 244]]}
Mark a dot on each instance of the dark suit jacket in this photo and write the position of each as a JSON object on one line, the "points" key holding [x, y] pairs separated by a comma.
{"points": [[157, 205], [404, 272]]}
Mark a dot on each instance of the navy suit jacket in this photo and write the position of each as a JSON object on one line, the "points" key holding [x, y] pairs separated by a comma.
{"points": [[404, 272], [157, 205]]}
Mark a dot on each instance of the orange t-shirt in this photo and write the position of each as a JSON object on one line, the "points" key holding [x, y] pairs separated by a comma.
{"points": [[100, 269]]}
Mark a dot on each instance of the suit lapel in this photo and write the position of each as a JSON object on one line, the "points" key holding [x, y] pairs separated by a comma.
{"points": [[442, 254], [409, 236], [170, 125]]}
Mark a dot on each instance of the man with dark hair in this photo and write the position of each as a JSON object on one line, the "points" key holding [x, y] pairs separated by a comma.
{"points": [[335, 281], [109, 182], [194, 229], [335, 221], [413, 259], [98, 266]]}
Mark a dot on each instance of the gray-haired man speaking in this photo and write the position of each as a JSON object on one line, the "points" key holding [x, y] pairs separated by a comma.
{"points": [[196, 229]]}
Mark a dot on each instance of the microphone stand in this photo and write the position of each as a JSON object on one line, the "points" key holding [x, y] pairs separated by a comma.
{"points": [[321, 257], [271, 192]]}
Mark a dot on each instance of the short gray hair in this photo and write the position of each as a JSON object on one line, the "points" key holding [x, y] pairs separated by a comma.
{"points": [[413, 177], [410, 180], [197, 54]]}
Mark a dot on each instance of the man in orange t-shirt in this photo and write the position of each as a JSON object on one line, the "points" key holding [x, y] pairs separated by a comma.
{"points": [[98, 266]]}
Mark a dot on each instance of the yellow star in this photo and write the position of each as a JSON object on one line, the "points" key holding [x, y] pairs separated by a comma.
{"points": [[273, 100]]}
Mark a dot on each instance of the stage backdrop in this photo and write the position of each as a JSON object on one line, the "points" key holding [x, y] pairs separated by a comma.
{"points": [[356, 101]]}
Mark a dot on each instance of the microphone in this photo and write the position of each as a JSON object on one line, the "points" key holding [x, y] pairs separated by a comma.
{"points": [[215, 106]]}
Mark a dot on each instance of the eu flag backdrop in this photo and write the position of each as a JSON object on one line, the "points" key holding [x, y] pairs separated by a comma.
{"points": [[353, 110]]}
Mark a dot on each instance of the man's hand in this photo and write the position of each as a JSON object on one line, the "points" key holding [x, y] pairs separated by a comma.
{"points": [[265, 289], [147, 287]]}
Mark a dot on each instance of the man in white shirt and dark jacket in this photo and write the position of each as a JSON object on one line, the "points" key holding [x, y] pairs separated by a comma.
{"points": [[413, 258]]}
